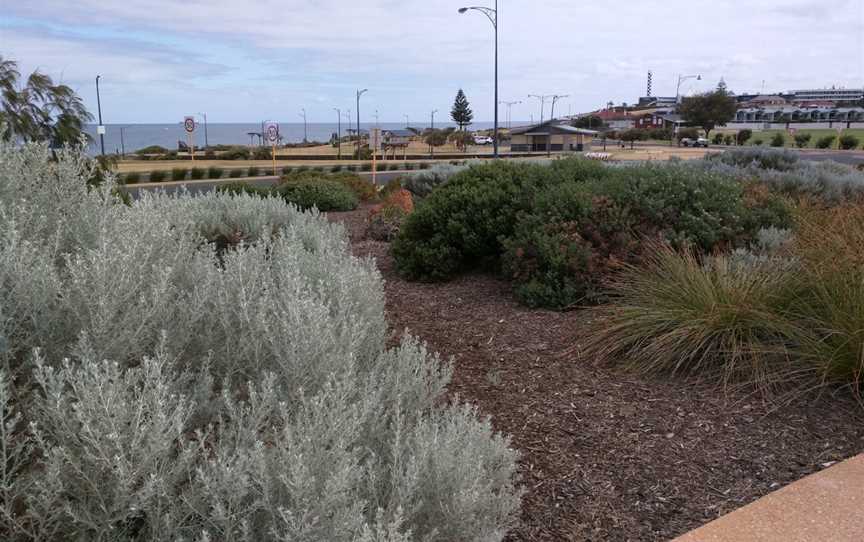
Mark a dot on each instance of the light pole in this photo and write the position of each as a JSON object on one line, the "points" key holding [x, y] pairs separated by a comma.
{"points": [[305, 131], [510, 112], [99, 107], [359, 93], [681, 79], [206, 141], [338, 132], [542, 99], [376, 119], [407, 122], [555, 99], [122, 142], [431, 134], [492, 15]]}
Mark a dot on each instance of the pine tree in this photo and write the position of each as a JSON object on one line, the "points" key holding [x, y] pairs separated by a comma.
{"points": [[461, 112]]}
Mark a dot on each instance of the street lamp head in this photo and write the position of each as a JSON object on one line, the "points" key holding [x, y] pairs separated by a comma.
{"points": [[698, 77], [463, 10]]}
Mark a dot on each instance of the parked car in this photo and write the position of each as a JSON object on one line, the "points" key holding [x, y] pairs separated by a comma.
{"points": [[482, 140]]}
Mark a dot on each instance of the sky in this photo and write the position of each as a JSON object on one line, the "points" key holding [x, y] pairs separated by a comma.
{"points": [[245, 61]]}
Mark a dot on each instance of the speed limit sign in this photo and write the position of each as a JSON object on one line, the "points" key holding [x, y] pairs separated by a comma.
{"points": [[189, 124], [271, 131]]}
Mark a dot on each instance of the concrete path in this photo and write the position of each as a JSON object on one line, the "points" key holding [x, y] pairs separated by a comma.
{"points": [[824, 507]]}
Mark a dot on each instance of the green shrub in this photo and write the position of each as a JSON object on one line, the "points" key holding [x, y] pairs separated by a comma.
{"points": [[849, 142], [323, 194], [424, 165], [132, 177], [253, 171], [802, 141], [178, 174], [385, 225], [688, 133], [826, 142], [196, 174], [157, 176], [718, 139], [362, 188], [757, 142], [262, 153], [336, 169], [235, 153], [214, 172], [778, 140], [365, 154], [728, 139], [409, 166], [366, 167], [152, 149], [743, 136], [235, 173], [239, 187], [393, 167], [784, 160]]}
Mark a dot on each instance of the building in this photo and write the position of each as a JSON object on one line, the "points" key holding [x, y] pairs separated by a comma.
{"points": [[764, 100], [648, 121], [792, 113], [397, 138], [617, 120], [658, 101], [832, 94], [550, 137]]}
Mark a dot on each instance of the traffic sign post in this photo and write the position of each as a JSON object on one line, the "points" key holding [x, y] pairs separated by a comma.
{"points": [[271, 131], [189, 126], [374, 146]]}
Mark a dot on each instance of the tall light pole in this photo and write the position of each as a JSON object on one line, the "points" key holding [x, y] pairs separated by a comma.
{"points": [[101, 128], [681, 79], [376, 118], [359, 93], [407, 121], [542, 99], [555, 98], [122, 142], [206, 141], [305, 131], [492, 15], [432, 131], [510, 112], [338, 132]]}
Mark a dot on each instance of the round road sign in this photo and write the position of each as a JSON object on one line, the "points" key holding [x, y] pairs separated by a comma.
{"points": [[189, 124]]}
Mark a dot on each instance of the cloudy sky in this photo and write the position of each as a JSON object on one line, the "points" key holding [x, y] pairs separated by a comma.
{"points": [[248, 60]]}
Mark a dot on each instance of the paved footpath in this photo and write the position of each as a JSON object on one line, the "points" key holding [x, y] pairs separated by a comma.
{"points": [[824, 507]]}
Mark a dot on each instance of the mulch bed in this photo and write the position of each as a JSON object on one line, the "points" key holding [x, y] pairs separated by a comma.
{"points": [[607, 455]]}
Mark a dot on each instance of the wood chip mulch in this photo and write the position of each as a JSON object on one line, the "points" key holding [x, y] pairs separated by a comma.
{"points": [[605, 454]]}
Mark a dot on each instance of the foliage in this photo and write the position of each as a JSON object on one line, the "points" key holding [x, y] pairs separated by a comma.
{"points": [[462, 139], [778, 140], [235, 153], [709, 109], [759, 158], [262, 153], [132, 177], [688, 133], [826, 142], [660, 134], [591, 122], [758, 142], [633, 135], [364, 154], [718, 139], [178, 173], [386, 219], [240, 187], [802, 141], [235, 173], [196, 173], [214, 172], [461, 112], [436, 138], [157, 176], [321, 193], [362, 188], [39, 109], [728, 139], [152, 149], [248, 394], [743, 136], [849, 142], [253, 171]]}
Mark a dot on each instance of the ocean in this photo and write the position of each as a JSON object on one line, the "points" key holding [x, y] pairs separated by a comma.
{"points": [[128, 138]]}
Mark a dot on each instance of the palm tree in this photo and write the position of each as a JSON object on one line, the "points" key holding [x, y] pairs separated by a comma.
{"points": [[40, 110]]}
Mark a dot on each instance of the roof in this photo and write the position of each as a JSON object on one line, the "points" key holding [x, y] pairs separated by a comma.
{"points": [[548, 127]]}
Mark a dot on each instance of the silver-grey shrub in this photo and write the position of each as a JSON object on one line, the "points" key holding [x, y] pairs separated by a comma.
{"points": [[157, 386]]}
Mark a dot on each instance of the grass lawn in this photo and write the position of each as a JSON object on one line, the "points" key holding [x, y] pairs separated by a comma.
{"points": [[815, 135]]}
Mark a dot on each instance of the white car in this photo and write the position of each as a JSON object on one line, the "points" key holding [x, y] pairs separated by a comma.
{"points": [[482, 140]]}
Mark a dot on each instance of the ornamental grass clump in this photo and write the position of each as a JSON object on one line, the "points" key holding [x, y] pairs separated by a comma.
{"points": [[157, 386]]}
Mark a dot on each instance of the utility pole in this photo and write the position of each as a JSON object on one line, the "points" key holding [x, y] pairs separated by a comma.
{"points": [[407, 122], [122, 143], [542, 98], [359, 93], [431, 132], [101, 128], [510, 112], [206, 140], [338, 132]]}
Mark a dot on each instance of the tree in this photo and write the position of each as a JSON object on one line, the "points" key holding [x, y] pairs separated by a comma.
{"points": [[802, 140], [40, 110], [461, 112], [461, 139], [779, 140], [743, 136], [709, 109], [633, 136], [591, 122]]}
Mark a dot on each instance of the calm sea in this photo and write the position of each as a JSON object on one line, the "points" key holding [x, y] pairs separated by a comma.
{"points": [[131, 137]]}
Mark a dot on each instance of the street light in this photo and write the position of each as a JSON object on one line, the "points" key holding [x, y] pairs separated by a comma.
{"points": [[510, 112], [338, 132], [101, 128], [542, 99], [492, 15], [206, 141], [305, 132], [681, 79], [359, 93], [122, 142], [555, 99], [407, 122], [432, 130]]}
